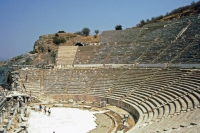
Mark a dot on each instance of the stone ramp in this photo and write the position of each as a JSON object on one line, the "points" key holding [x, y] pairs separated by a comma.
{"points": [[65, 56]]}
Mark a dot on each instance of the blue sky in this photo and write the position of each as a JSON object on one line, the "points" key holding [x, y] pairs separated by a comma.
{"points": [[23, 21]]}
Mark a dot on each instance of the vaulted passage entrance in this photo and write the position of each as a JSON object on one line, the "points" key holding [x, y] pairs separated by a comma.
{"points": [[78, 44]]}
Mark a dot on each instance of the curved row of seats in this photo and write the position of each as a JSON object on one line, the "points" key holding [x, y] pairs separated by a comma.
{"points": [[159, 95], [158, 100], [157, 43]]}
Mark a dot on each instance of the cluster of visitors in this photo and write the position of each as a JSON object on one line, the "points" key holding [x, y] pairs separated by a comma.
{"points": [[45, 110]]}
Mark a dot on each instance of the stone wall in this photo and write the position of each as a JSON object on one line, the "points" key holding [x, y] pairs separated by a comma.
{"points": [[66, 97]]}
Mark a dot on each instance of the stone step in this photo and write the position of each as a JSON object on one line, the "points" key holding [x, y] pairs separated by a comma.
{"points": [[195, 99], [172, 108], [155, 115], [150, 117], [166, 111], [183, 104], [160, 114], [177, 107]]}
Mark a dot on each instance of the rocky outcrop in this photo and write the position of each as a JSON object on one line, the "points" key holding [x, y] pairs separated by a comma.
{"points": [[47, 45], [50, 42]]}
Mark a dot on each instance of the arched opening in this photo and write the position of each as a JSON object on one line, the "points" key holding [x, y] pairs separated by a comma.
{"points": [[78, 44]]}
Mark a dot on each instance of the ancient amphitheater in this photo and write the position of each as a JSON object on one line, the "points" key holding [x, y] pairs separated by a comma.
{"points": [[151, 72]]}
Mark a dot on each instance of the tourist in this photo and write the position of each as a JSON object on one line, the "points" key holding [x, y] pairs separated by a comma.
{"points": [[40, 107], [45, 110], [49, 111], [29, 101]]}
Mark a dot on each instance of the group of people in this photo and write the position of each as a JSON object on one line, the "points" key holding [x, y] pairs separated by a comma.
{"points": [[45, 110]]}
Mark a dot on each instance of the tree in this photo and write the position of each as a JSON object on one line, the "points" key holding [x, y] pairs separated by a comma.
{"points": [[118, 27], [192, 3], [142, 22], [96, 32], [85, 31]]}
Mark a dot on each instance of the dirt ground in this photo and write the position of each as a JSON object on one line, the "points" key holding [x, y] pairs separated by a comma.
{"points": [[104, 124]]}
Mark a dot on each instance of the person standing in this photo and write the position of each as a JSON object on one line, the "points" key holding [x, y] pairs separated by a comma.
{"points": [[49, 111], [45, 110], [40, 107], [29, 101]]}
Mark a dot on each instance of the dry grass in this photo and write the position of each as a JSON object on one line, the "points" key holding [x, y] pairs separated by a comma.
{"points": [[82, 39]]}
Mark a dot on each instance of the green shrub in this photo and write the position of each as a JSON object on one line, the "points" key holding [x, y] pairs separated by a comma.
{"points": [[62, 31], [78, 33], [118, 27], [62, 40], [56, 35], [56, 40], [18, 58], [53, 56], [27, 61], [32, 52]]}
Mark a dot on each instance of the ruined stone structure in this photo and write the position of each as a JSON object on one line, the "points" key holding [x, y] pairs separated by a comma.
{"points": [[152, 96], [149, 72], [12, 107]]}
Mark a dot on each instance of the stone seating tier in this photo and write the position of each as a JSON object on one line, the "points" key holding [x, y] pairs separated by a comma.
{"points": [[174, 41], [66, 55], [158, 94]]}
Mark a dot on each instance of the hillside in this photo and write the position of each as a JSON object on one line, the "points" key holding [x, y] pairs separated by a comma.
{"points": [[45, 48], [47, 45], [192, 9], [46, 42]]}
